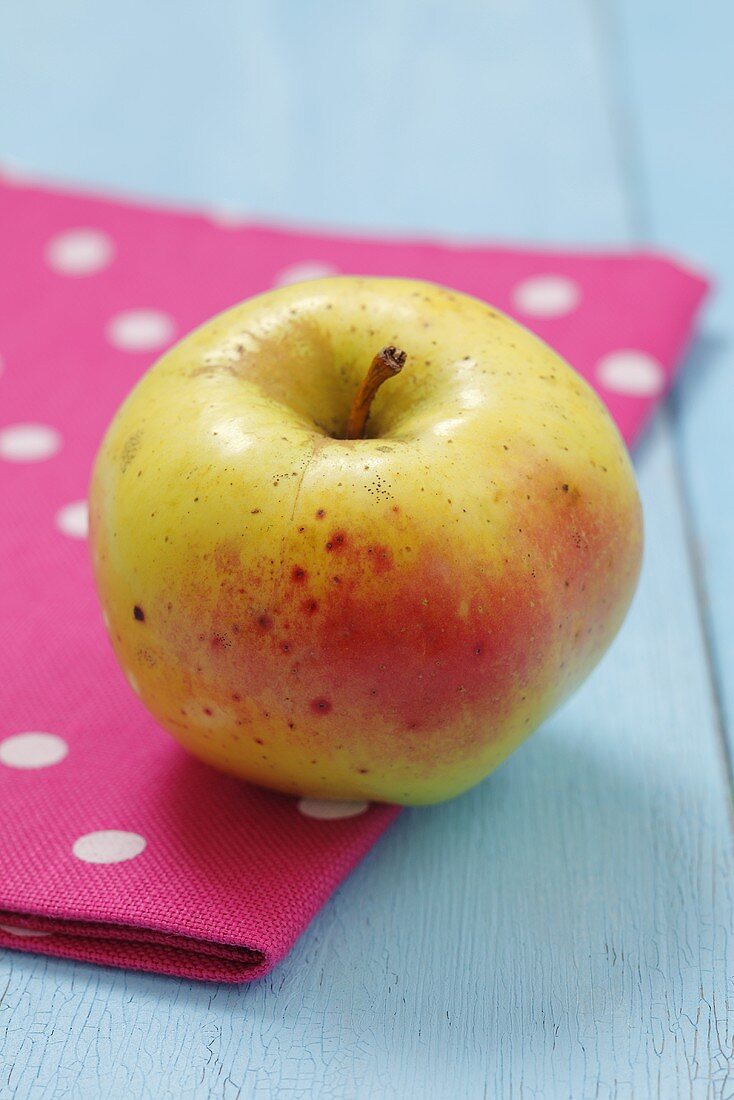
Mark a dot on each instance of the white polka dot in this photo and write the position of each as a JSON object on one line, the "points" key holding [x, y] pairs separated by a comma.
{"points": [[228, 218], [546, 296], [297, 273], [326, 810], [28, 442], [73, 519], [14, 172], [631, 372], [108, 846], [22, 933], [106, 619], [79, 252], [140, 329], [32, 750]]}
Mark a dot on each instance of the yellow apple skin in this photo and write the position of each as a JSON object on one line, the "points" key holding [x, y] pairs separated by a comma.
{"points": [[381, 619]]}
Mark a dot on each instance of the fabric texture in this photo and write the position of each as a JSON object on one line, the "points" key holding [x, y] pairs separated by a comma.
{"points": [[115, 846]]}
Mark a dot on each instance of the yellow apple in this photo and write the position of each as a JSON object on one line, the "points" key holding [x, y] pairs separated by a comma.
{"points": [[379, 618]]}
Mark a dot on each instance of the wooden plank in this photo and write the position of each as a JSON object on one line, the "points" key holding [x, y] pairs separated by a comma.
{"points": [[675, 73], [563, 929], [396, 114]]}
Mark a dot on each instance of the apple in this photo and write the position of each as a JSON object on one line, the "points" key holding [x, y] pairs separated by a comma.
{"points": [[380, 617]]}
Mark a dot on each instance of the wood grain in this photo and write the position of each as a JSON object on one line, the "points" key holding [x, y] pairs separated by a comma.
{"points": [[564, 929], [685, 167]]}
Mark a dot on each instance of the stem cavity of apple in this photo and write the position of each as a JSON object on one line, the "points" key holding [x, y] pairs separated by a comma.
{"points": [[386, 364]]}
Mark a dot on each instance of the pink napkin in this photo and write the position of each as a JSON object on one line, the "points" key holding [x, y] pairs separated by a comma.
{"points": [[115, 847]]}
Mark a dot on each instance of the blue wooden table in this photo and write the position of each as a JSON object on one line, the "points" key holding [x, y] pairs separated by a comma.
{"points": [[564, 930]]}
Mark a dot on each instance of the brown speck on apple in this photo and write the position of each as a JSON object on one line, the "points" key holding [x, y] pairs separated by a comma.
{"points": [[382, 558], [337, 542]]}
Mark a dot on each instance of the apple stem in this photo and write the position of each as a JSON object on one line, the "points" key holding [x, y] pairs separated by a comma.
{"points": [[386, 364]]}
